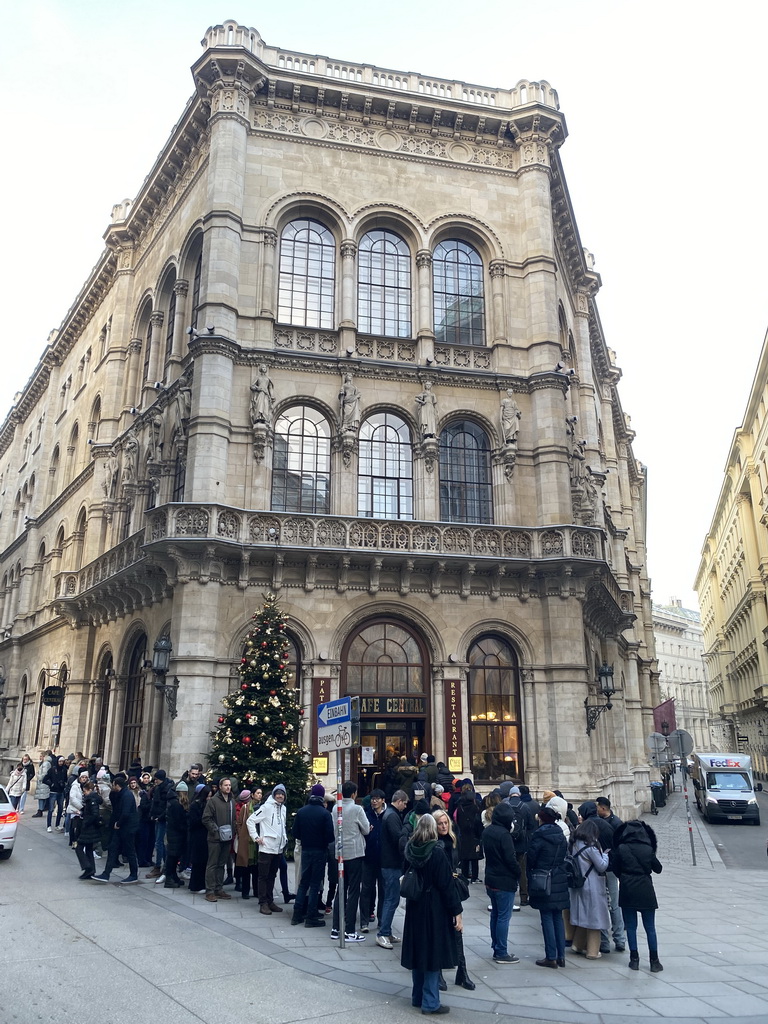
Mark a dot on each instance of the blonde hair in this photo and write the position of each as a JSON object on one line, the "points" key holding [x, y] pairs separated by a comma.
{"points": [[437, 815]]}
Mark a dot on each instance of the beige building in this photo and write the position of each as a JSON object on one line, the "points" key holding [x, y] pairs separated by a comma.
{"points": [[731, 584], [682, 676], [396, 409]]}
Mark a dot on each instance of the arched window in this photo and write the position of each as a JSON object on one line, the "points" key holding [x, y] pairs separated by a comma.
{"points": [[466, 490], [196, 289], [25, 708], [307, 274], [133, 718], [106, 681], [385, 657], [494, 710], [79, 548], [53, 473], [384, 285], [459, 303], [72, 453], [301, 474], [385, 476]]}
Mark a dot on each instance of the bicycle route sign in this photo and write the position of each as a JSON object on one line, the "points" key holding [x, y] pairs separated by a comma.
{"points": [[334, 725]]}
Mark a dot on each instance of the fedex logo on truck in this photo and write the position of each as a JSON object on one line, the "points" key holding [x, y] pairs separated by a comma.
{"points": [[724, 762]]}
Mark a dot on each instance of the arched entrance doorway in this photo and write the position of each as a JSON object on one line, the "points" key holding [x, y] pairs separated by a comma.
{"points": [[385, 663], [494, 711], [133, 716]]}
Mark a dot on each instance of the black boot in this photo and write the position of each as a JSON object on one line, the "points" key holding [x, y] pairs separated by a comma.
{"points": [[656, 967], [634, 960], [442, 984], [463, 979]]}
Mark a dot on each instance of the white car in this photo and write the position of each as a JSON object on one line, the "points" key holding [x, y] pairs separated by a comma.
{"points": [[9, 820]]}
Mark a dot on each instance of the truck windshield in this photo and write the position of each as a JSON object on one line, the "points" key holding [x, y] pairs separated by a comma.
{"points": [[732, 782]]}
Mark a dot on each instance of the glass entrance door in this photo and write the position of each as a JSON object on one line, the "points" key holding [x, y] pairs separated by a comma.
{"points": [[380, 742]]}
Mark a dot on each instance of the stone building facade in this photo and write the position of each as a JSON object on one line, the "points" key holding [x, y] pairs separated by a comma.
{"points": [[731, 584], [395, 408], [682, 675]]}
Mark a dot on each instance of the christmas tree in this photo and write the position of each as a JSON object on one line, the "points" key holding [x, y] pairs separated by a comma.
{"points": [[257, 741]]}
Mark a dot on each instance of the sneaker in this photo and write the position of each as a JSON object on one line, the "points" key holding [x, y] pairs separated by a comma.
{"points": [[100, 878], [510, 958], [354, 937], [159, 879], [129, 880], [334, 933], [365, 928], [394, 938], [50, 829], [514, 908], [384, 942], [59, 828], [97, 856]]}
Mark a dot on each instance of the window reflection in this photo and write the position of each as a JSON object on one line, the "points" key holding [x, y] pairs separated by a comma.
{"points": [[301, 474], [459, 303], [466, 490], [384, 285], [307, 272], [385, 475], [495, 731], [384, 657]]}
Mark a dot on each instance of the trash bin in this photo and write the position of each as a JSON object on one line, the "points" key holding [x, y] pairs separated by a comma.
{"points": [[658, 794]]}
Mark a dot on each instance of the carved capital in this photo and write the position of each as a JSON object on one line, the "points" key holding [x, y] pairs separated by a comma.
{"points": [[156, 319], [348, 250], [496, 270], [423, 259], [181, 287], [270, 238]]}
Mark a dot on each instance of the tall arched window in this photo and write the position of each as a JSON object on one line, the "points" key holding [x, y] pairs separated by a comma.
{"points": [[384, 285], [457, 275], [196, 278], [24, 711], [105, 667], [466, 489], [133, 717], [307, 274], [385, 476], [385, 657], [301, 474], [494, 710]]}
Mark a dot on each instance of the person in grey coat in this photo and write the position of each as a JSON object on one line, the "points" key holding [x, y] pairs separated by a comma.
{"points": [[355, 826], [589, 905]]}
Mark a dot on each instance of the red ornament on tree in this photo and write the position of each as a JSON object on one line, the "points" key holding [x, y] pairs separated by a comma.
{"points": [[272, 693], [247, 714], [283, 724], [246, 739], [264, 643], [301, 711], [221, 721]]}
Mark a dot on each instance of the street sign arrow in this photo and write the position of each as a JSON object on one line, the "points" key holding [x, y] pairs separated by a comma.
{"points": [[334, 712]]}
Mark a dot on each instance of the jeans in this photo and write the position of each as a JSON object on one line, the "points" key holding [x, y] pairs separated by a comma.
{"points": [[649, 923], [617, 918], [308, 893], [55, 800], [15, 802], [353, 873], [553, 930], [159, 843], [23, 800], [391, 878], [425, 992], [502, 902]]}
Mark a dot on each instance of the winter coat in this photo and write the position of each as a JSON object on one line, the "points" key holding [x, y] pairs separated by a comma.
{"points": [[470, 826], [546, 852], [373, 839], [125, 817], [144, 806], [313, 825], [75, 801], [29, 768], [247, 850], [632, 860], [589, 905], [501, 868], [91, 829], [198, 833], [444, 777], [269, 822], [391, 830], [177, 826], [604, 831], [429, 938], [17, 782], [451, 852], [354, 828], [218, 811], [525, 823], [57, 778], [406, 776], [42, 789], [159, 798]]}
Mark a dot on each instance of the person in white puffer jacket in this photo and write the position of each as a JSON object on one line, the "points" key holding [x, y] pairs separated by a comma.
{"points": [[75, 806], [267, 828]]}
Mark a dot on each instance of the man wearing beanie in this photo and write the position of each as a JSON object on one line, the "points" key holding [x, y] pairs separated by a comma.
{"points": [[266, 827], [313, 828], [157, 810]]}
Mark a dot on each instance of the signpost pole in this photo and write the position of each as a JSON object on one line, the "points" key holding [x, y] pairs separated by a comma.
{"points": [[681, 743], [340, 851]]}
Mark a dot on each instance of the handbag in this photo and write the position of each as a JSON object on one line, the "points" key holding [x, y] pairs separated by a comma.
{"points": [[225, 833], [540, 881], [461, 887], [411, 885]]}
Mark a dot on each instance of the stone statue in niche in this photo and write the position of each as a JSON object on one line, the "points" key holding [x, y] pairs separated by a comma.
{"points": [[349, 401], [263, 397], [510, 418], [577, 453], [130, 460], [183, 407], [427, 411], [111, 468], [155, 447]]}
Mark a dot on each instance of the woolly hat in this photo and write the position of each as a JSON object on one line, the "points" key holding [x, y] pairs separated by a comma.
{"points": [[424, 758], [181, 787], [280, 788], [199, 786], [160, 774], [504, 789], [547, 795], [421, 807], [514, 791], [556, 803], [317, 790], [102, 773], [244, 795]]}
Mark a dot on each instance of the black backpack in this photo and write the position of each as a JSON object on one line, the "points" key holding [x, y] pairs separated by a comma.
{"points": [[576, 877]]}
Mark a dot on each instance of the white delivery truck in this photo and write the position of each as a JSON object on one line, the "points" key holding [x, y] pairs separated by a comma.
{"points": [[725, 790]]}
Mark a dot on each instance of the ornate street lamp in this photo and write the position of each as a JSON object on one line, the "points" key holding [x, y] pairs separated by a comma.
{"points": [[161, 662], [606, 689]]}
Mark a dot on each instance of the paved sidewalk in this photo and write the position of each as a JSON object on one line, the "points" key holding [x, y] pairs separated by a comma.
{"points": [[712, 942]]}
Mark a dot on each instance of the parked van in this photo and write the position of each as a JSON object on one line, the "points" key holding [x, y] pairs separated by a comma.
{"points": [[724, 787]]}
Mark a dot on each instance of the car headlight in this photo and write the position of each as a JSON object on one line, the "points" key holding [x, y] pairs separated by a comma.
{"points": [[753, 800], [711, 799]]}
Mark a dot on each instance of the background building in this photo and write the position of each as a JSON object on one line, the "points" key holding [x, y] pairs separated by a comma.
{"points": [[395, 409], [731, 584], [682, 678]]}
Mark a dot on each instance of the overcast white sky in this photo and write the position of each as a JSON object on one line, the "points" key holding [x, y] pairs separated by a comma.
{"points": [[666, 108]]}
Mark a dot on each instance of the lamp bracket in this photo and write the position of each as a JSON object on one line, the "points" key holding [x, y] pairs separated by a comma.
{"points": [[593, 713]]}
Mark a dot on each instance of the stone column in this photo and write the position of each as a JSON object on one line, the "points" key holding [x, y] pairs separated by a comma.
{"points": [[268, 292], [210, 427], [181, 290], [424, 327], [348, 322], [498, 319], [156, 353]]}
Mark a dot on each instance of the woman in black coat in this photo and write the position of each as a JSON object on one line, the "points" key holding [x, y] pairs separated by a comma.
{"points": [[90, 830], [198, 840], [469, 822], [546, 853], [432, 920], [632, 859], [176, 835], [447, 838]]}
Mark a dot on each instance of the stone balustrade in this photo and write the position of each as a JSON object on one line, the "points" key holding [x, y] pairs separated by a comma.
{"points": [[126, 554]]}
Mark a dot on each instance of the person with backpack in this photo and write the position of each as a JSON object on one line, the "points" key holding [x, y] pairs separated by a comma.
{"points": [[502, 873], [56, 780], [633, 858], [546, 865], [524, 826], [588, 897]]}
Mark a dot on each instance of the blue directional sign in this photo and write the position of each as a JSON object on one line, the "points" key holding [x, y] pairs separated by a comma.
{"points": [[334, 712]]}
